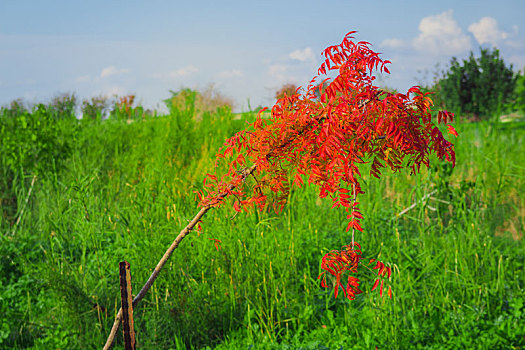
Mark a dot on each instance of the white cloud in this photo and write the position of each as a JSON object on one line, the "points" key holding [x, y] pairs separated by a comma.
{"points": [[303, 55], [188, 70], [441, 34], [181, 72], [486, 31], [111, 70], [83, 79], [106, 72], [234, 73], [279, 74], [277, 69], [393, 43]]}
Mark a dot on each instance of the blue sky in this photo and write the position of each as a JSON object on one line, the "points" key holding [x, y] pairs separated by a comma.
{"points": [[247, 49]]}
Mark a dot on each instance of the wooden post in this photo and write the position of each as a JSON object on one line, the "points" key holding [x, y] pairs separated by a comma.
{"points": [[127, 306]]}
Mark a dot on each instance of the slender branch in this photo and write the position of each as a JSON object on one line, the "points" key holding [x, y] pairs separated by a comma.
{"points": [[440, 200], [185, 231], [414, 204]]}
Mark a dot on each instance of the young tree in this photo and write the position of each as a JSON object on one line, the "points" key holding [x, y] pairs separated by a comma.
{"points": [[478, 86], [324, 141]]}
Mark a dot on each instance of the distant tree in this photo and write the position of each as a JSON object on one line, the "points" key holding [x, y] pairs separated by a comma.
{"points": [[288, 89], [14, 108], [124, 106], [96, 107], [478, 86], [18, 105], [196, 103], [63, 106]]}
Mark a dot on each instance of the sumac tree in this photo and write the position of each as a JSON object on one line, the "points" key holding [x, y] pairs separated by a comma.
{"points": [[323, 141]]}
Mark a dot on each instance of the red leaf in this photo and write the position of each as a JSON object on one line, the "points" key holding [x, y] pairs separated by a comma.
{"points": [[451, 130], [375, 284], [236, 206], [216, 242], [298, 180]]}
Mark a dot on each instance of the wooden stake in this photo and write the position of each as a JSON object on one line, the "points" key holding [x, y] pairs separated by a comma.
{"points": [[127, 306]]}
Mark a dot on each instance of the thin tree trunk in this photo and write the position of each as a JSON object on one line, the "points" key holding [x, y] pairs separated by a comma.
{"points": [[185, 231]]}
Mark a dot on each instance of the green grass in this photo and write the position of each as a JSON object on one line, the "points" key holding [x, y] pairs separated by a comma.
{"points": [[124, 191]]}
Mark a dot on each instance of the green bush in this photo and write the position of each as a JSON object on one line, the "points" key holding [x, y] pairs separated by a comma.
{"points": [[33, 144], [63, 106], [97, 107], [194, 104], [479, 86]]}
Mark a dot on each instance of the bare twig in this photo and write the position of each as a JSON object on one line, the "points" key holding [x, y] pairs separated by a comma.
{"points": [[185, 231], [440, 200], [414, 204]]}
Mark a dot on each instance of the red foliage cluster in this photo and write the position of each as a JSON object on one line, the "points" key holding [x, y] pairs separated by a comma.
{"points": [[124, 104], [323, 140], [336, 263]]}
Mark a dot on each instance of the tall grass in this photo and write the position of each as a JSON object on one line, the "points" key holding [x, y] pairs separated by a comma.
{"points": [[126, 189]]}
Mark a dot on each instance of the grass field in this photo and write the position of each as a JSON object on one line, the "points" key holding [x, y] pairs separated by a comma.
{"points": [[117, 191]]}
